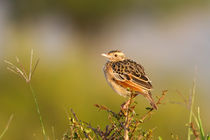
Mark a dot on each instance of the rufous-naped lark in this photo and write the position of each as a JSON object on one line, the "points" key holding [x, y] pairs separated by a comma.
{"points": [[125, 76]]}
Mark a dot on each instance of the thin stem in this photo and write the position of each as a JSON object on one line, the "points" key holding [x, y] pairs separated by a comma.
{"points": [[200, 125], [152, 109], [7, 126], [191, 108], [31, 64], [38, 111], [35, 66], [127, 118], [53, 133], [126, 137], [21, 67]]}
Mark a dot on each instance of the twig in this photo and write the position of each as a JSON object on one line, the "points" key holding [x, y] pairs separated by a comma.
{"points": [[126, 109], [127, 118], [75, 116], [184, 99], [195, 132], [134, 129], [93, 129], [102, 107], [151, 110]]}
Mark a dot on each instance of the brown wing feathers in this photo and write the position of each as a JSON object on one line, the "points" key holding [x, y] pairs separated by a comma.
{"points": [[133, 72], [129, 74]]}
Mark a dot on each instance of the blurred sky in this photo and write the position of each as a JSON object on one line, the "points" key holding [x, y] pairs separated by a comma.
{"points": [[168, 38]]}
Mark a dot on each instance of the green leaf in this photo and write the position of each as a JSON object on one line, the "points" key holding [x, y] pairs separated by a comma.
{"points": [[160, 138], [75, 135], [207, 137], [148, 108], [87, 130]]}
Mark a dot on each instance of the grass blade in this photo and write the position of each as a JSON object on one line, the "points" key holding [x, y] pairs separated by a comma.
{"points": [[7, 126], [196, 120], [200, 125], [191, 108], [38, 111]]}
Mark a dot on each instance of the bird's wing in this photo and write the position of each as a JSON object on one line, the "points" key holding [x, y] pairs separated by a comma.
{"points": [[131, 74]]}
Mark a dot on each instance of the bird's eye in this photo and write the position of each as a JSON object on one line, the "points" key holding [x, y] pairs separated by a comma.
{"points": [[115, 55]]}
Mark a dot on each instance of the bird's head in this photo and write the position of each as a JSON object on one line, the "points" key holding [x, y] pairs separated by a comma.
{"points": [[114, 55]]}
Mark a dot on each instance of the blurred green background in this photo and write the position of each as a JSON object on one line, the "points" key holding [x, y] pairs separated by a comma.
{"points": [[169, 38]]}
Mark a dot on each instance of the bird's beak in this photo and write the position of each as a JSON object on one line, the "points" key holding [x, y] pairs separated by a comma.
{"points": [[105, 55]]}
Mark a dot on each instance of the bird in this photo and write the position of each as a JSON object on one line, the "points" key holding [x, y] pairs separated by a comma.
{"points": [[126, 76]]}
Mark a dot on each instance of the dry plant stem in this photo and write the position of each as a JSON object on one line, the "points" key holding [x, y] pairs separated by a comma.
{"points": [[126, 131], [195, 132], [148, 113], [186, 101], [151, 110], [191, 108], [127, 117], [7, 126], [38, 111]]}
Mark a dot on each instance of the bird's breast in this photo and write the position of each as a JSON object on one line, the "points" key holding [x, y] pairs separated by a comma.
{"points": [[108, 72]]}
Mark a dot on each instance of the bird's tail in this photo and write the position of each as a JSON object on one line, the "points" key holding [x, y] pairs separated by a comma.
{"points": [[151, 100]]}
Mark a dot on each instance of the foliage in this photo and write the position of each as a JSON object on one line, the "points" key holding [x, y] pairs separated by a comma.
{"points": [[125, 124], [122, 125]]}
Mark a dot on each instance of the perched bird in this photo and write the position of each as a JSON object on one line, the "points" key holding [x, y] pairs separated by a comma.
{"points": [[125, 76]]}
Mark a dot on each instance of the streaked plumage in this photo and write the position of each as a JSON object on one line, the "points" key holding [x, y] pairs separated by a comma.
{"points": [[126, 76]]}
